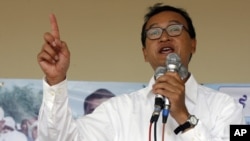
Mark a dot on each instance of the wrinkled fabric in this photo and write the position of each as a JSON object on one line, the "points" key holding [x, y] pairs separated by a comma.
{"points": [[127, 117]]}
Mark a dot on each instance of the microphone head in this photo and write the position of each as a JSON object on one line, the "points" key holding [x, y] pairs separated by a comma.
{"points": [[183, 72], [159, 72], [173, 62]]}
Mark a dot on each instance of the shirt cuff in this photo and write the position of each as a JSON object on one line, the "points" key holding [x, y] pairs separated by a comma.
{"points": [[55, 92], [195, 134]]}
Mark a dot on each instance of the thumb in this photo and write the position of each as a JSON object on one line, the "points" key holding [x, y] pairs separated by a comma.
{"points": [[64, 49]]}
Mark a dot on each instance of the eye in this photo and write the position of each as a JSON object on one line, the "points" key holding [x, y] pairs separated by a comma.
{"points": [[154, 31], [174, 28]]}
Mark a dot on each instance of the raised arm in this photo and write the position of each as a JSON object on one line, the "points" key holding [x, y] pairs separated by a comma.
{"points": [[55, 122], [54, 57]]}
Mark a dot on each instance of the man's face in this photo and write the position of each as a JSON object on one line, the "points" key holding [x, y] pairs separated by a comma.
{"points": [[25, 125], [156, 50]]}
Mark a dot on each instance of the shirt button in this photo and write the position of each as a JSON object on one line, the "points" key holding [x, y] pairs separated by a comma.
{"points": [[52, 93]]}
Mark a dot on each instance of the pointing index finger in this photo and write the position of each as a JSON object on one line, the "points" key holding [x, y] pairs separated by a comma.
{"points": [[54, 26]]}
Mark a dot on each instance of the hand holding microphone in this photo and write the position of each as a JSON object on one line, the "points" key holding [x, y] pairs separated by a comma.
{"points": [[173, 64]]}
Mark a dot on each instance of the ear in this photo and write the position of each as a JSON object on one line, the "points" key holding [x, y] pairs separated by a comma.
{"points": [[193, 46], [144, 50]]}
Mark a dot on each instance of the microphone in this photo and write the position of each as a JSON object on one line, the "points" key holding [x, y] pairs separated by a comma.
{"points": [[173, 64], [159, 99], [183, 72]]}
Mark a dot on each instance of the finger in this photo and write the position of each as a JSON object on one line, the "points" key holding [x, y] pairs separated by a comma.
{"points": [[49, 38], [45, 57], [64, 47], [54, 26], [51, 51]]}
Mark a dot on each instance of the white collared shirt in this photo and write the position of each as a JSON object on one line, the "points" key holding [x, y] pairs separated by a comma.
{"points": [[127, 117]]}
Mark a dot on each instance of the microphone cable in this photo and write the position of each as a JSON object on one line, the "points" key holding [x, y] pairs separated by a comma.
{"points": [[150, 128], [159, 102], [163, 130], [165, 113], [155, 131]]}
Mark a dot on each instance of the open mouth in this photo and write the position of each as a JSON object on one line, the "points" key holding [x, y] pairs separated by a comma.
{"points": [[166, 50]]}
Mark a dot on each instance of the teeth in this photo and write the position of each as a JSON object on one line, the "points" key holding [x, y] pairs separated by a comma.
{"points": [[165, 49]]}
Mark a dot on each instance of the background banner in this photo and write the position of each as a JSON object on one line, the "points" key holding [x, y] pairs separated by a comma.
{"points": [[20, 99], [241, 92]]}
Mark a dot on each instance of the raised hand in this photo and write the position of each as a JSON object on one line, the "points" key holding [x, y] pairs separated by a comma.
{"points": [[54, 58]]}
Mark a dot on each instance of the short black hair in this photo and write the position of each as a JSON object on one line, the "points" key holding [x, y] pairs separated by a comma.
{"points": [[158, 8], [98, 94]]}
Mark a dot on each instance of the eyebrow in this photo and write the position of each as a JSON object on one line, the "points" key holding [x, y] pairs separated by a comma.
{"points": [[170, 22]]}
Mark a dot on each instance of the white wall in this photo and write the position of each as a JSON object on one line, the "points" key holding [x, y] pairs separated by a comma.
{"points": [[104, 38]]}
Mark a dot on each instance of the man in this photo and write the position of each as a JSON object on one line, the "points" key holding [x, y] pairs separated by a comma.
{"points": [[25, 125], [10, 133], [95, 99], [33, 131], [196, 112]]}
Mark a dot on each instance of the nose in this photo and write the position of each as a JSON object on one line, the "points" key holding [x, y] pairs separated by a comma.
{"points": [[164, 36]]}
